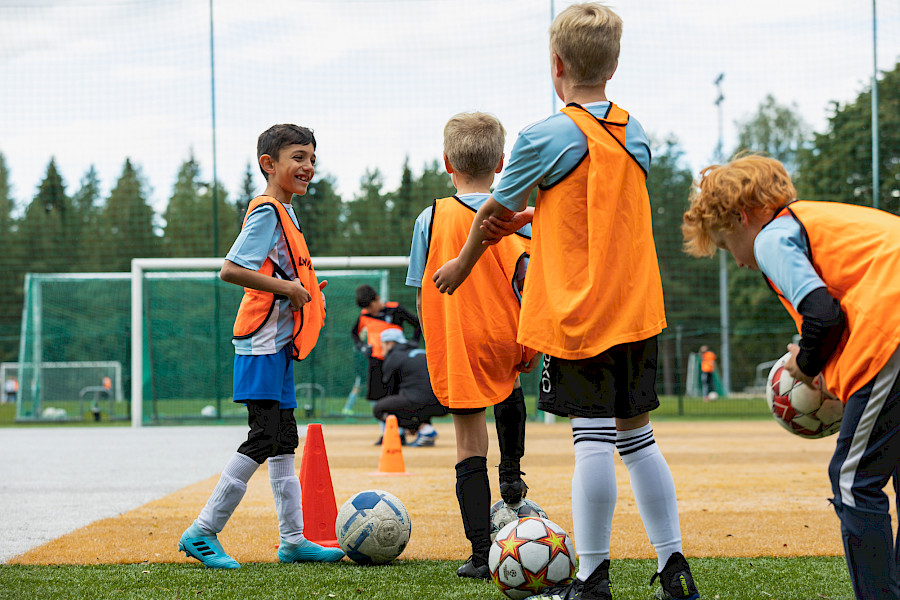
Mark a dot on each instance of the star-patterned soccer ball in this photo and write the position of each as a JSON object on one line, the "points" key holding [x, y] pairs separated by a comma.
{"points": [[529, 555]]}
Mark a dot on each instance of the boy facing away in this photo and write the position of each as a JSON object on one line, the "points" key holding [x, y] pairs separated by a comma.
{"points": [[278, 321], [473, 357], [592, 301], [836, 269]]}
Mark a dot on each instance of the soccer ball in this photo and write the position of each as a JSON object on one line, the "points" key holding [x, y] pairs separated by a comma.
{"points": [[373, 527], [529, 555], [800, 409], [503, 513]]}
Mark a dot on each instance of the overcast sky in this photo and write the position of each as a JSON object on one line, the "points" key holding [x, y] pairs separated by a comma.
{"points": [[96, 81]]}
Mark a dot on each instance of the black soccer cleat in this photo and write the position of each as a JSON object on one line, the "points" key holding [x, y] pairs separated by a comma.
{"points": [[676, 580], [476, 568], [512, 488], [512, 492]]}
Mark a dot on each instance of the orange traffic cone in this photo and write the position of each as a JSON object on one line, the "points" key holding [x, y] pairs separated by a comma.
{"points": [[391, 461], [319, 506]]}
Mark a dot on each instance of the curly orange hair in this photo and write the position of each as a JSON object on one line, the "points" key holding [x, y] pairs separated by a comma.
{"points": [[748, 182]]}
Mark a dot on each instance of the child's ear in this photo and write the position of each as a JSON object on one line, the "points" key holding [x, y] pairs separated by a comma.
{"points": [[267, 164], [500, 164], [558, 66], [447, 165]]}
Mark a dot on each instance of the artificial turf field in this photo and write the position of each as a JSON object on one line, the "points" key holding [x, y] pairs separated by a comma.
{"points": [[747, 490]]}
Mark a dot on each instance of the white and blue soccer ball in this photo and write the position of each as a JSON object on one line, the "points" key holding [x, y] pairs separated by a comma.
{"points": [[373, 527]]}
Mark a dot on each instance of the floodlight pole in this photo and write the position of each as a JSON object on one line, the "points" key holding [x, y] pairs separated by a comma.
{"points": [[876, 160], [724, 320]]}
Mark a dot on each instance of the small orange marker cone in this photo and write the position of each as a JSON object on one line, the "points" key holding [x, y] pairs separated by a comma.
{"points": [[319, 506], [391, 461]]}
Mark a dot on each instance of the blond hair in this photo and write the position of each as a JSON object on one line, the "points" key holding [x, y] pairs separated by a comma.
{"points": [[473, 143], [586, 37], [748, 182]]}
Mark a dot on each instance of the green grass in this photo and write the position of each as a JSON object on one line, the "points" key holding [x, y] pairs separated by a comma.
{"points": [[187, 411], [805, 578]]}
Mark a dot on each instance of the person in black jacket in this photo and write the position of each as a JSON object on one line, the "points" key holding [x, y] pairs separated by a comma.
{"points": [[414, 403]]}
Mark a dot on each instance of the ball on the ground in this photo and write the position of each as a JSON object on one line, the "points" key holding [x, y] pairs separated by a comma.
{"points": [[800, 409], [373, 527], [503, 513], [529, 555], [713, 396], [208, 411]]}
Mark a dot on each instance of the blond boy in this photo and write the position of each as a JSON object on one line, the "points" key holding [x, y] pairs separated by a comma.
{"points": [[473, 357], [592, 301]]}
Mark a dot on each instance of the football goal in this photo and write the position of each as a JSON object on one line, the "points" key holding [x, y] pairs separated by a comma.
{"points": [[160, 339], [67, 390], [180, 333]]}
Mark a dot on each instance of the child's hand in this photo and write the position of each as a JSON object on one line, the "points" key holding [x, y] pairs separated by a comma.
{"points": [[495, 228], [297, 294], [528, 367], [792, 368], [322, 285], [449, 277]]}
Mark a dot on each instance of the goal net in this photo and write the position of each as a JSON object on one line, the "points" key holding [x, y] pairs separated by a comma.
{"points": [[66, 390], [168, 324]]}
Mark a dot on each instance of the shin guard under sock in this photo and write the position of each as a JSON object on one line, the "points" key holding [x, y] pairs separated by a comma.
{"points": [[474, 495]]}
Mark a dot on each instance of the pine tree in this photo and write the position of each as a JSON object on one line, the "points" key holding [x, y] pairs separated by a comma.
{"points": [[87, 254], [183, 237], [49, 225], [226, 221], [126, 224], [320, 212], [12, 264], [247, 194]]}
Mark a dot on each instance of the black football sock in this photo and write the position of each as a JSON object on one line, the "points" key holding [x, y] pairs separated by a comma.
{"points": [[474, 495], [509, 417]]}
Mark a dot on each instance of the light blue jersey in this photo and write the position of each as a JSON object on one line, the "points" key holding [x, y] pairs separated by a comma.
{"points": [[546, 151], [422, 229], [263, 238], [781, 254]]}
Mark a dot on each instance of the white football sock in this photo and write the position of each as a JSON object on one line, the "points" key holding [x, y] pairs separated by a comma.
{"points": [[593, 491], [288, 498], [426, 428], [227, 494], [654, 490]]}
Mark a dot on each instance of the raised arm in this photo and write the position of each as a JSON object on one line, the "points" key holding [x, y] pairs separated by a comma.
{"points": [[451, 275]]}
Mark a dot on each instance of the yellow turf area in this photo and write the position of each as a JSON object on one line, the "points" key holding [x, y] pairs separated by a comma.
{"points": [[744, 489]]}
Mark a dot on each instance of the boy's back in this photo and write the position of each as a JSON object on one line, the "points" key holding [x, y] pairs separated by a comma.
{"points": [[592, 301], [594, 279], [471, 334]]}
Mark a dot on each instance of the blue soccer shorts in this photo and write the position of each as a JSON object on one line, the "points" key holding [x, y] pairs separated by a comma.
{"points": [[265, 377]]}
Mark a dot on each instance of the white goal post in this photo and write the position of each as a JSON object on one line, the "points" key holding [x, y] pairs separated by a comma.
{"points": [[140, 265]]}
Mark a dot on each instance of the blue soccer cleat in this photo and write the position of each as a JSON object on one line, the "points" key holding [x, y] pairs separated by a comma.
{"points": [[206, 548], [307, 551]]}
